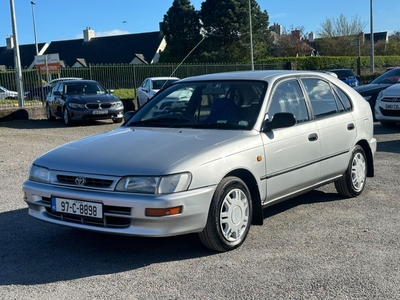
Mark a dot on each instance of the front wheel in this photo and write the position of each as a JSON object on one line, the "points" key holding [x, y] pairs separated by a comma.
{"points": [[49, 116], [117, 120], [352, 183], [229, 217], [67, 119]]}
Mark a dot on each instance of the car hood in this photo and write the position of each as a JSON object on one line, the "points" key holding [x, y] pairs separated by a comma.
{"points": [[92, 98], [393, 90], [140, 151], [367, 88]]}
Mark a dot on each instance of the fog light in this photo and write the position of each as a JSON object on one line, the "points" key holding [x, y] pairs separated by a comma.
{"points": [[161, 212]]}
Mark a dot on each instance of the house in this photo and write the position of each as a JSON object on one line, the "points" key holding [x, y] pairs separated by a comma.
{"points": [[27, 54], [140, 48]]}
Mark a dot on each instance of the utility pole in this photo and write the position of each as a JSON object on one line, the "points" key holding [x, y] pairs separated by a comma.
{"points": [[251, 39], [372, 41], [17, 59]]}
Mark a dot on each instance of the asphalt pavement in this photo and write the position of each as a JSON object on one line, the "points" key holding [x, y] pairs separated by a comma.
{"points": [[316, 246]]}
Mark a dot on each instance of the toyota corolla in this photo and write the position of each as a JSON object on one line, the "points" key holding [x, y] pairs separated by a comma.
{"points": [[211, 164]]}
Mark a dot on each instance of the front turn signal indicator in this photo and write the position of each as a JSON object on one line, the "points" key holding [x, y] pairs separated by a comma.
{"points": [[162, 212]]}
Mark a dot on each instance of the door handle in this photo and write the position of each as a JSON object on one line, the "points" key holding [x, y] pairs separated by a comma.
{"points": [[351, 126], [313, 137]]}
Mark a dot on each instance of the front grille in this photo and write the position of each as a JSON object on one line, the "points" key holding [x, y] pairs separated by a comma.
{"points": [[389, 112], [89, 182], [113, 216], [98, 105]]}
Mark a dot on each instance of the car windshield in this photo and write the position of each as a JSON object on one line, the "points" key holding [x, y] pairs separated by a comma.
{"points": [[388, 77], [162, 83], [84, 88], [213, 104], [342, 74]]}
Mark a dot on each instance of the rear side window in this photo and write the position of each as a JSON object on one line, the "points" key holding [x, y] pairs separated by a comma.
{"points": [[322, 98], [344, 100]]}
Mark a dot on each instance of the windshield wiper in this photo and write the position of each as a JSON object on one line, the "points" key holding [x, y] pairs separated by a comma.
{"points": [[158, 121]]}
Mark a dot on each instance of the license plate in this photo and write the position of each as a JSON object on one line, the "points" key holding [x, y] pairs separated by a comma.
{"points": [[77, 207], [392, 106], [100, 112]]}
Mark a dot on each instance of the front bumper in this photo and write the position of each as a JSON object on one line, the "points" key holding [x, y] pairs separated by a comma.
{"points": [[382, 114], [89, 114], [123, 213]]}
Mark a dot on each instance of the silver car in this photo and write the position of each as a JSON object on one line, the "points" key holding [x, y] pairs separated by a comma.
{"points": [[242, 142]]}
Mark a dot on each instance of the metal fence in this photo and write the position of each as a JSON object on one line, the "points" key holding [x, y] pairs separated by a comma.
{"points": [[120, 76]]}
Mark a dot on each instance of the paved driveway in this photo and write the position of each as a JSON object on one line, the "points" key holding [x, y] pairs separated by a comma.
{"points": [[317, 246]]}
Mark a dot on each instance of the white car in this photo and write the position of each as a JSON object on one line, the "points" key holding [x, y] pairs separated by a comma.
{"points": [[387, 105], [211, 164], [151, 86], [7, 94]]}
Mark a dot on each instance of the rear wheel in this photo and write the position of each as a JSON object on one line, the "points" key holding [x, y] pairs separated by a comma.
{"points": [[352, 183], [229, 217]]}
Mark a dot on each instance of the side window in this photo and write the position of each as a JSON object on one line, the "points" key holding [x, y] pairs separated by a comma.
{"points": [[322, 98], [344, 99], [288, 97]]}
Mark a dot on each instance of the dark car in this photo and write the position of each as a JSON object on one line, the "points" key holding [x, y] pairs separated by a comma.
{"points": [[371, 90], [347, 76], [39, 93], [74, 100]]}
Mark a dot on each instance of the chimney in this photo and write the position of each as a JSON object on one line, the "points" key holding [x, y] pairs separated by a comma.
{"points": [[10, 42], [311, 37], [88, 34]]}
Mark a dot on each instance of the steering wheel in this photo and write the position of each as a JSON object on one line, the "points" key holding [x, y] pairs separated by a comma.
{"points": [[182, 112]]}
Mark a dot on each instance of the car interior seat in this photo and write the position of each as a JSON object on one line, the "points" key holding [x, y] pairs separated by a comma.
{"points": [[222, 109]]}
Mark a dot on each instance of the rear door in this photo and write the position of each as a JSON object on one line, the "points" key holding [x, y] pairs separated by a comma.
{"points": [[292, 154], [337, 130]]}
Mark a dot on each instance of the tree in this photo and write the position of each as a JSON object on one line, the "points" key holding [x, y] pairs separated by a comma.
{"points": [[341, 27], [226, 24], [181, 27], [292, 43]]}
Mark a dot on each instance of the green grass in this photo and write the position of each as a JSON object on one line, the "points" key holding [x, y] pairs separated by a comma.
{"points": [[125, 93]]}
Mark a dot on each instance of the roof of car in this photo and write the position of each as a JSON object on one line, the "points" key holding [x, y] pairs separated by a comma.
{"points": [[265, 75], [164, 78], [62, 79]]}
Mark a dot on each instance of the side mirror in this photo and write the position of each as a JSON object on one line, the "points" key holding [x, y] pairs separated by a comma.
{"points": [[128, 115], [279, 120]]}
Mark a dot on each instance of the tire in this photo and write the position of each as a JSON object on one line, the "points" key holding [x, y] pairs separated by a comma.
{"points": [[49, 116], [352, 183], [66, 118], [229, 216], [117, 120]]}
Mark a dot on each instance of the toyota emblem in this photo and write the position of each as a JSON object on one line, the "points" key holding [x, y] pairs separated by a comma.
{"points": [[80, 180]]}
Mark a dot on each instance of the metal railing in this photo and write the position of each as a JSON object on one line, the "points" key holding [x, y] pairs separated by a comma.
{"points": [[119, 76]]}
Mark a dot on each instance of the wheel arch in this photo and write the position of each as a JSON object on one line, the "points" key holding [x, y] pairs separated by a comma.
{"points": [[252, 185], [370, 158]]}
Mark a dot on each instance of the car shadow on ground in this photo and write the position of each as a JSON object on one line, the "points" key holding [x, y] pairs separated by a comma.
{"points": [[43, 124], [315, 196], [35, 252]]}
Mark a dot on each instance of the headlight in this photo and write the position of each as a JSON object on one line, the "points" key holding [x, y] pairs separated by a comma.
{"points": [[380, 95], [117, 104], [76, 105], [367, 97], [155, 185], [40, 174]]}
